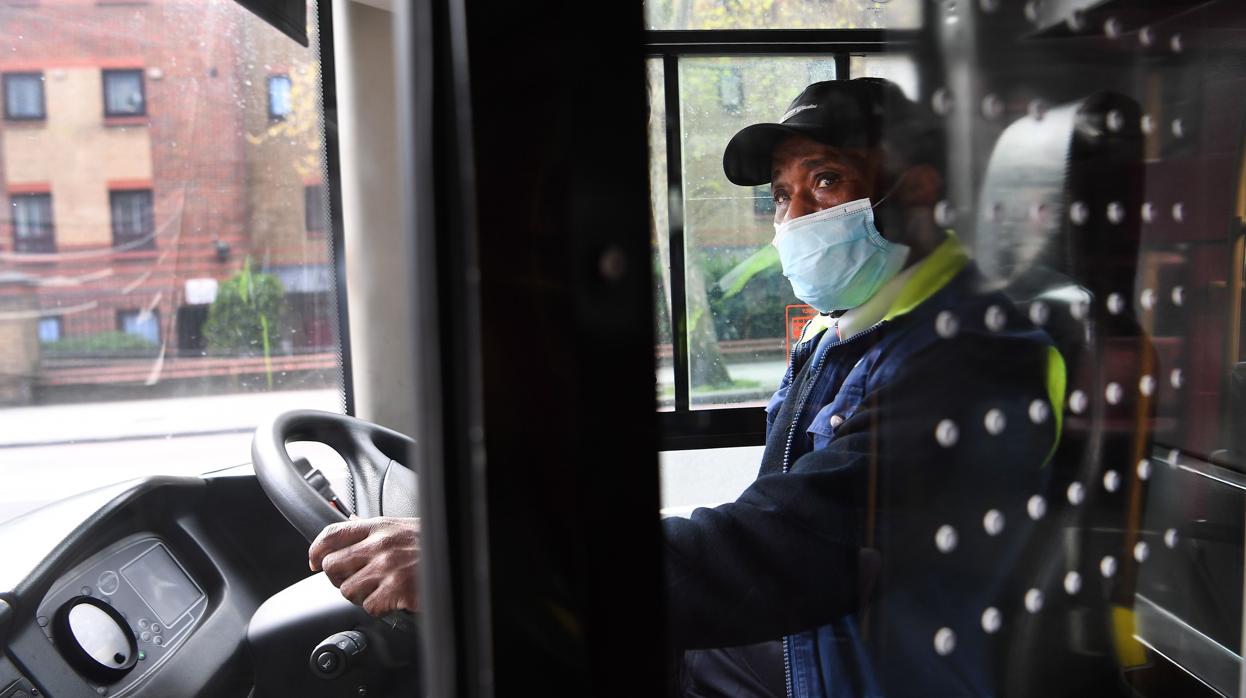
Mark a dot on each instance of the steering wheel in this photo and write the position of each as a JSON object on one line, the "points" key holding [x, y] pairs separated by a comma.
{"points": [[376, 458]]}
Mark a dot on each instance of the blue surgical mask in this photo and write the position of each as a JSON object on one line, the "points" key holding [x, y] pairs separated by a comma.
{"points": [[835, 258]]}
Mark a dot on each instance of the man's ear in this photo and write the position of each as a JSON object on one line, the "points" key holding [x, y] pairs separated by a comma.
{"points": [[922, 186]]}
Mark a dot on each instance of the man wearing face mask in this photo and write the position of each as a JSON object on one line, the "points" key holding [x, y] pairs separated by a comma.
{"points": [[829, 575]]}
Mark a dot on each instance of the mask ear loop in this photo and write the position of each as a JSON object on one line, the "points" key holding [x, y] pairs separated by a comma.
{"points": [[892, 190]]}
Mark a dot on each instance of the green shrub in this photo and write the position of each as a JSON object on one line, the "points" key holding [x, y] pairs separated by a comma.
{"points": [[114, 342], [246, 317]]}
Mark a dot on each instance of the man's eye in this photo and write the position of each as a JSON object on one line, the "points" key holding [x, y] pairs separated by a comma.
{"points": [[826, 180], [780, 196]]}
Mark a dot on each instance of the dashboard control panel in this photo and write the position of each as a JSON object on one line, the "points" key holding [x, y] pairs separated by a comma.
{"points": [[120, 615]]}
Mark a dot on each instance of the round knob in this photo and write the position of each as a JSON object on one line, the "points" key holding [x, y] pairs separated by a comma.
{"points": [[95, 639]]}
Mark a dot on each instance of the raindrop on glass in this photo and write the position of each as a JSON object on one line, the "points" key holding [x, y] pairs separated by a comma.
{"points": [[1144, 469], [1036, 507], [945, 539], [1178, 295], [1077, 401], [992, 620], [1175, 378], [945, 641], [1116, 303], [1146, 385], [1039, 313], [1107, 566], [946, 324], [1148, 212], [1072, 583], [941, 101], [1170, 538], [1033, 600], [1111, 481], [1147, 299], [992, 107], [1116, 212], [1115, 120], [993, 522], [1076, 493], [944, 214], [1078, 213], [946, 433], [1114, 393], [1039, 411], [995, 318], [1142, 551], [995, 422]]}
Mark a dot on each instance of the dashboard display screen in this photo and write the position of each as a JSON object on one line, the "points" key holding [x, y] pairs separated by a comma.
{"points": [[162, 584]]}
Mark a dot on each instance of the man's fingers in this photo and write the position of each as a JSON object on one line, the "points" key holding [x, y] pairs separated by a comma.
{"points": [[340, 565], [335, 537], [359, 587]]}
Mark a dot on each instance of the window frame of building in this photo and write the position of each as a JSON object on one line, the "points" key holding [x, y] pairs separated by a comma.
{"points": [[107, 73], [273, 114], [123, 313], [314, 200], [51, 321], [684, 428], [44, 241], [128, 241], [37, 76]]}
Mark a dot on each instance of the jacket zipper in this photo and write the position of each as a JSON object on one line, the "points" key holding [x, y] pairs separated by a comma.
{"points": [[787, 457]]}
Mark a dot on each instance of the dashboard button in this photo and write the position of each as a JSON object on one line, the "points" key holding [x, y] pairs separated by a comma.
{"points": [[86, 591], [42, 621], [108, 583], [143, 623], [155, 628], [145, 636], [158, 640], [327, 662]]}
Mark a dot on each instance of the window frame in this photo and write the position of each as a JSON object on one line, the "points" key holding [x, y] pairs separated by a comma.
{"points": [[43, 95], [273, 116], [684, 428], [45, 243], [129, 245], [142, 92]]}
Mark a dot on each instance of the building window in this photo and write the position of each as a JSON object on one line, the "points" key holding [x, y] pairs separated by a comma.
{"points": [[140, 323], [23, 97], [133, 226], [279, 105], [123, 93], [314, 208], [32, 223], [49, 330]]}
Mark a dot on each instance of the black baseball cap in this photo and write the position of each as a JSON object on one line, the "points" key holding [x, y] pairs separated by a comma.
{"points": [[858, 113]]}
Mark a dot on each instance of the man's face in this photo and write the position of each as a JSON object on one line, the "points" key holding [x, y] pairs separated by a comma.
{"points": [[808, 176]]}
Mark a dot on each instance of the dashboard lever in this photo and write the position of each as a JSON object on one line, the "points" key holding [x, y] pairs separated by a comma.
{"points": [[321, 484], [335, 655]]}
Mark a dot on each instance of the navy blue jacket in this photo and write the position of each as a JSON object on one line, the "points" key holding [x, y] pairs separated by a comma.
{"points": [[875, 447]]}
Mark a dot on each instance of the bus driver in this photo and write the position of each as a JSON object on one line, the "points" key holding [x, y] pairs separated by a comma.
{"points": [[835, 573]]}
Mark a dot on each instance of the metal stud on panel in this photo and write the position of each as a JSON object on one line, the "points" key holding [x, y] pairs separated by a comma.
{"points": [[1148, 212], [1107, 567], [993, 522], [945, 214], [1116, 212], [1147, 124], [945, 641], [989, 6], [1175, 378], [1077, 401], [1079, 213], [1036, 507], [992, 620], [946, 324], [1037, 109], [995, 422], [941, 101], [1111, 481], [946, 538], [992, 107], [1039, 313], [1031, 10], [1176, 43], [1116, 303], [1146, 385], [1114, 393], [1115, 120], [1147, 299], [1076, 493], [1079, 307], [1112, 28], [946, 433], [1178, 212], [1072, 583], [1170, 538], [1178, 296], [1033, 600], [1178, 128], [1039, 411], [1144, 469], [995, 318], [1146, 36], [1142, 551]]}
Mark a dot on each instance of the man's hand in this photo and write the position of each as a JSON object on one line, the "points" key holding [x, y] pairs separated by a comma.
{"points": [[372, 561]]}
